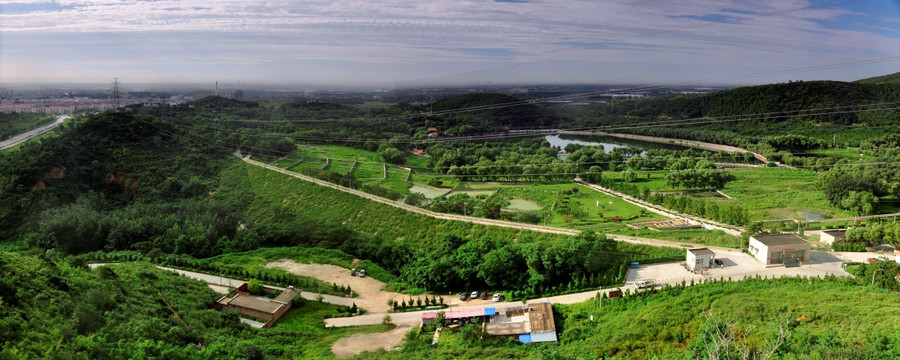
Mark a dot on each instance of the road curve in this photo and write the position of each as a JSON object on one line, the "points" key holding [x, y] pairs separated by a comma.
{"points": [[470, 219], [18, 139]]}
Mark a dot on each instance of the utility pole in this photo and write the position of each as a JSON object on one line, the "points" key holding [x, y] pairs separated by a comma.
{"points": [[115, 92]]}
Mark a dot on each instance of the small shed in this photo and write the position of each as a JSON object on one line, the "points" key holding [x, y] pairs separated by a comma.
{"points": [[831, 237], [699, 258]]}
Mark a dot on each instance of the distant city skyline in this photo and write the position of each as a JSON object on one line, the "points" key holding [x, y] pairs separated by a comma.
{"points": [[401, 43]]}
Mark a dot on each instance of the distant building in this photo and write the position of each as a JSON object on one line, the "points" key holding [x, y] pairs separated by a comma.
{"points": [[787, 249], [268, 310], [699, 258], [831, 237], [529, 323]]}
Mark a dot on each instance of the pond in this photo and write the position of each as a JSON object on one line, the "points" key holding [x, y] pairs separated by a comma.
{"points": [[812, 216], [523, 205], [609, 143], [429, 192]]}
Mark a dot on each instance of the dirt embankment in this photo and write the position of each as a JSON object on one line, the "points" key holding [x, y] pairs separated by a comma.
{"points": [[356, 344]]}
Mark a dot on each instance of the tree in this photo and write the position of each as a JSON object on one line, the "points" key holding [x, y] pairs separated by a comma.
{"points": [[391, 155], [629, 175], [861, 202]]}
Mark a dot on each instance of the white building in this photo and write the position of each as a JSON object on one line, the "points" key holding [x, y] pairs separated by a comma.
{"points": [[833, 236], [787, 249], [699, 258]]}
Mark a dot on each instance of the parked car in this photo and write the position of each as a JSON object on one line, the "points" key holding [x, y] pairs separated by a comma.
{"points": [[484, 295], [463, 297], [362, 273], [497, 297], [474, 295], [353, 272], [640, 284], [719, 262]]}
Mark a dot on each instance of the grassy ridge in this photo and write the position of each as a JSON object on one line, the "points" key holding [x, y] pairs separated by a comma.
{"points": [[674, 323]]}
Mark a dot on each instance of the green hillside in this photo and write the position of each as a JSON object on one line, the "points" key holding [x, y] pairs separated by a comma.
{"points": [[55, 307], [884, 79], [682, 323], [812, 111]]}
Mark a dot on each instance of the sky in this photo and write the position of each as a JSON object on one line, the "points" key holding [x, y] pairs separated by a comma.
{"points": [[409, 43]]}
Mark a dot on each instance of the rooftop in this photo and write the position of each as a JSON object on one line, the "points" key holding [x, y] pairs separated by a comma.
{"points": [[702, 251], [780, 240], [541, 316], [835, 232], [262, 304]]}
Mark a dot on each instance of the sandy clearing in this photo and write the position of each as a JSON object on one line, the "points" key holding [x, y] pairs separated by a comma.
{"points": [[371, 296], [356, 344]]}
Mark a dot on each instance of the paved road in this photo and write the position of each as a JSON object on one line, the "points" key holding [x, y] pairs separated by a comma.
{"points": [[738, 266], [18, 139], [470, 219]]}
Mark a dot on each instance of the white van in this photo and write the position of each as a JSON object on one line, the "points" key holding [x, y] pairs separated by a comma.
{"points": [[640, 284]]}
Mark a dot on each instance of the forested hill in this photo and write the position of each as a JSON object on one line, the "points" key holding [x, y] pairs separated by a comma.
{"points": [[116, 158], [491, 114], [817, 109], [885, 79]]}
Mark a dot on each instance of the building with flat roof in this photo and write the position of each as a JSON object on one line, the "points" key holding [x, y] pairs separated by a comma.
{"points": [[788, 249], [699, 258], [530, 323], [831, 237], [268, 310]]}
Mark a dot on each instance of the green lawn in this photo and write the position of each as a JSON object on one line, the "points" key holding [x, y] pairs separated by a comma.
{"points": [[695, 236], [591, 209], [766, 193]]}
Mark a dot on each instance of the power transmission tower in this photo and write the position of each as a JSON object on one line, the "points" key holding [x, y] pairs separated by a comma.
{"points": [[115, 92]]}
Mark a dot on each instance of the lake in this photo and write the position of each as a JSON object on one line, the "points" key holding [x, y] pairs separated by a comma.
{"points": [[609, 143]]}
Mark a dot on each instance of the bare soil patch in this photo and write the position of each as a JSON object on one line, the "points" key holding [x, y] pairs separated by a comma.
{"points": [[356, 344], [371, 297]]}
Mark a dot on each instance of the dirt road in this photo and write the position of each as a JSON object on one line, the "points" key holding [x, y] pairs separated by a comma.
{"points": [[371, 296]]}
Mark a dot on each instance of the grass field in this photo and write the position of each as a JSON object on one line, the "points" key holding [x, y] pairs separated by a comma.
{"points": [[589, 207], [766, 193], [695, 236]]}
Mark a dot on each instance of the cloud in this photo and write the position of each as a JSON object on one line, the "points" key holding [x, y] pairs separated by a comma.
{"points": [[467, 32]]}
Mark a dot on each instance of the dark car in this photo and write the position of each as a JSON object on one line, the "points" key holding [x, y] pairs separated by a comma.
{"points": [[484, 295], [463, 297], [719, 262]]}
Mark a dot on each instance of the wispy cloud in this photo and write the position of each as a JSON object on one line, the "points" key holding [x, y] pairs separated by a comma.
{"points": [[472, 34]]}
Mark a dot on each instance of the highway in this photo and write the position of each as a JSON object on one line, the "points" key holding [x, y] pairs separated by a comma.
{"points": [[18, 139]]}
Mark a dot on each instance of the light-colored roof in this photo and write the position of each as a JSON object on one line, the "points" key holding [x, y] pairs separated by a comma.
{"points": [[702, 251], [835, 232], [780, 239], [254, 303], [467, 313], [507, 328]]}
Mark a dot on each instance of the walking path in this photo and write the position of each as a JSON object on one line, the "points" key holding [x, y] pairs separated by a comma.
{"points": [[706, 223], [470, 219], [18, 139]]}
